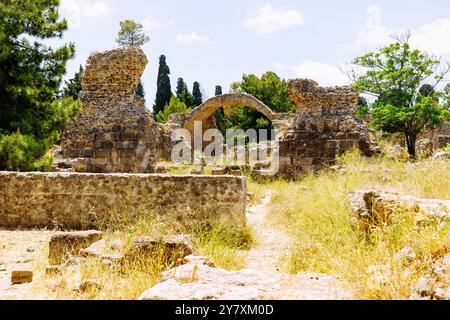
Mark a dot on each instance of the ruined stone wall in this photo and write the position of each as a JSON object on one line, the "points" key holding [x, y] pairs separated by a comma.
{"points": [[324, 126], [82, 200], [435, 139], [115, 132]]}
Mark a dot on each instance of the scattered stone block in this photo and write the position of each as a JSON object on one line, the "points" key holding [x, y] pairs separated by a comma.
{"points": [[174, 246], [21, 276], [65, 244], [89, 286], [161, 168], [197, 170], [218, 171], [52, 270], [112, 252]]}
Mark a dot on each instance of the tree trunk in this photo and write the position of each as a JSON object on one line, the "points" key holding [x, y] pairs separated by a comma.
{"points": [[411, 144]]}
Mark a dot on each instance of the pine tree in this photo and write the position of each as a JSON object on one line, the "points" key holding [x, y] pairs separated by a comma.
{"points": [[198, 98], [31, 73], [73, 86], [218, 90], [131, 34], [140, 91], [163, 89]]}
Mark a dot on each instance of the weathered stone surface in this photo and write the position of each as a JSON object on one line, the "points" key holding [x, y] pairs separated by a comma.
{"points": [[436, 285], [88, 286], [315, 100], [441, 156], [435, 139], [113, 252], [174, 246], [198, 280], [21, 276], [115, 131], [65, 244], [376, 207], [218, 171], [86, 200]]}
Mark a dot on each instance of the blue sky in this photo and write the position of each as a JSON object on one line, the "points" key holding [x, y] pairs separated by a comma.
{"points": [[215, 42]]}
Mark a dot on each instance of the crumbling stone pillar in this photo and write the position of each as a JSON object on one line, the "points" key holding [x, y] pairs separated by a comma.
{"points": [[115, 132], [324, 126]]}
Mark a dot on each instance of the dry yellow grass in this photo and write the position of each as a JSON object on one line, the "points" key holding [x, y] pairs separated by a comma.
{"points": [[316, 212], [221, 242]]}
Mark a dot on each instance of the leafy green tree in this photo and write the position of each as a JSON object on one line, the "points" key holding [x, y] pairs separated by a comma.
{"points": [[446, 96], [218, 91], [182, 93], [73, 86], [268, 88], [131, 34], [427, 90], [394, 75], [31, 72], [363, 107], [197, 94], [163, 88], [175, 105]]}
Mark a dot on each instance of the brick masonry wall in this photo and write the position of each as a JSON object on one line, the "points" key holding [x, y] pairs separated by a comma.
{"points": [[87, 200]]}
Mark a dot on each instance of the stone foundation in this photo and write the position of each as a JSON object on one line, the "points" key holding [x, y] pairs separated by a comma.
{"points": [[87, 200]]}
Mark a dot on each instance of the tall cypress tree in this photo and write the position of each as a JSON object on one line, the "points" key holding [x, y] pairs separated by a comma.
{"points": [[218, 90], [140, 91], [183, 93], [198, 99], [163, 89]]}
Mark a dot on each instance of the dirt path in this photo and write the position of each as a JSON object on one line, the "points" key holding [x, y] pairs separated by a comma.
{"points": [[271, 241], [271, 248]]}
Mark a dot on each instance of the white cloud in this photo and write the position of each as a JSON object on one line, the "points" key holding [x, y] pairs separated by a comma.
{"points": [[373, 34], [268, 19], [193, 37], [323, 73], [76, 10], [152, 24], [431, 37]]}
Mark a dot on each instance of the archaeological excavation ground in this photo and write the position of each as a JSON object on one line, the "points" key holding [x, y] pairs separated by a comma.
{"points": [[309, 188]]}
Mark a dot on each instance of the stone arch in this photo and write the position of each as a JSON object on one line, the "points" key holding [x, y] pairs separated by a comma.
{"points": [[206, 110]]}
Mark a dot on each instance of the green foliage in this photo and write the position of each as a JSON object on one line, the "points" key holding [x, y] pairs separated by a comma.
{"points": [[445, 149], [218, 91], [131, 34], [270, 89], [163, 90], [175, 106], [427, 90], [30, 76], [397, 76], [197, 94], [182, 93], [140, 90], [445, 95], [363, 107], [73, 86]]}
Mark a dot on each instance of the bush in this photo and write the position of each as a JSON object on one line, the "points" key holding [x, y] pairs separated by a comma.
{"points": [[26, 151]]}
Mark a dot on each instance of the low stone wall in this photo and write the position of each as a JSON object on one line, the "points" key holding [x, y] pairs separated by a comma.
{"points": [[87, 200]]}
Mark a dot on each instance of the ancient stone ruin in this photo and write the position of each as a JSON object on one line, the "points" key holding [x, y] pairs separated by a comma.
{"points": [[116, 132]]}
